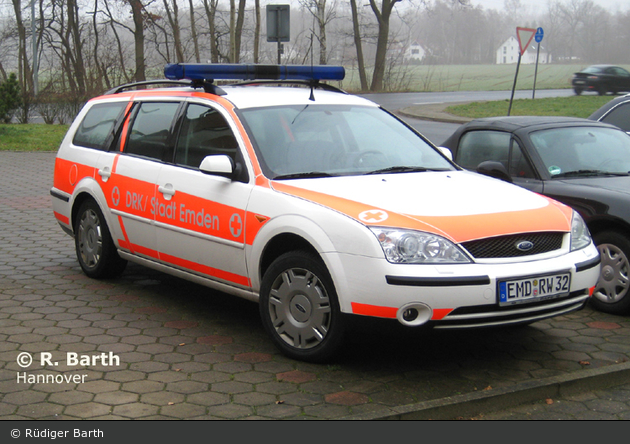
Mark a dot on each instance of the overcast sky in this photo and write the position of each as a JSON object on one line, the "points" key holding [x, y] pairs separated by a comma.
{"points": [[611, 5]]}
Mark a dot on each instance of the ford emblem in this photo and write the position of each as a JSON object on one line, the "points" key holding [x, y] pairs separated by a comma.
{"points": [[525, 245]]}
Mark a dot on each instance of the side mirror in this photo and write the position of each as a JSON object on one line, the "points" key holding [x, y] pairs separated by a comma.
{"points": [[447, 152], [494, 169], [219, 165]]}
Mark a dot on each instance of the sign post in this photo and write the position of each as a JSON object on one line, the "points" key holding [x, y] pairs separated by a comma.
{"points": [[278, 26], [524, 36], [538, 37]]}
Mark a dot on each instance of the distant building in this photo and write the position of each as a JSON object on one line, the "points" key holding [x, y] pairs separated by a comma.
{"points": [[508, 53], [414, 52]]}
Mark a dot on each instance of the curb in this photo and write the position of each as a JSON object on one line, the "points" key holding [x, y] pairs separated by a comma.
{"points": [[434, 112], [472, 404]]}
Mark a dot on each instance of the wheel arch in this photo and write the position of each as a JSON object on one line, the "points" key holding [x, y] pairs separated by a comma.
{"points": [[280, 244], [597, 226]]}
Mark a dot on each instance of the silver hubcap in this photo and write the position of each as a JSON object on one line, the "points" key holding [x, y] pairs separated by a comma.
{"points": [[613, 281], [90, 239], [299, 308]]}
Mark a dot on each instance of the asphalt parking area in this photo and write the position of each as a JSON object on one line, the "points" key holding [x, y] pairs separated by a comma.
{"points": [[170, 349]]}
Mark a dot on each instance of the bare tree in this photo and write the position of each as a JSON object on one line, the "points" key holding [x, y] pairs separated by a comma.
{"points": [[173, 20], [358, 45], [211, 12], [322, 15]]}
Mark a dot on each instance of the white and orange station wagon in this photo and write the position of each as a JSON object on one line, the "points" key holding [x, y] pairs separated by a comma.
{"points": [[315, 203]]}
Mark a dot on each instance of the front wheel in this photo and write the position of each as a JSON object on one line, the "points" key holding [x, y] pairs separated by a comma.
{"points": [[611, 293], [299, 307], [95, 249]]}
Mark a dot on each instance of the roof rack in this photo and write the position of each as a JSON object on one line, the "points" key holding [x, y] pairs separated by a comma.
{"points": [[208, 86]]}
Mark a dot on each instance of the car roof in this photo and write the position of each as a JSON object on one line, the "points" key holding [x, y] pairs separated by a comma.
{"points": [[249, 96], [513, 123], [516, 123], [608, 106]]}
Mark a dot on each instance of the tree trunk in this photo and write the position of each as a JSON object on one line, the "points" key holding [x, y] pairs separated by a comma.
{"points": [[358, 45], [211, 12], [382, 16], [240, 20], [173, 20], [138, 38], [193, 31], [257, 31]]}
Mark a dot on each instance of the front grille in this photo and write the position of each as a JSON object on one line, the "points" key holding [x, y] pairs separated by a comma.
{"points": [[494, 315], [506, 246]]}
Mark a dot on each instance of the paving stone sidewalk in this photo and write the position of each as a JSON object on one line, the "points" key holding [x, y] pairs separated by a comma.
{"points": [[175, 350]]}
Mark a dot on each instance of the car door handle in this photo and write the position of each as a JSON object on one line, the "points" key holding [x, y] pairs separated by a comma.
{"points": [[167, 191], [105, 173]]}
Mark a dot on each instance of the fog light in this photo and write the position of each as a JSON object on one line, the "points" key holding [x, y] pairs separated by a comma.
{"points": [[410, 315]]}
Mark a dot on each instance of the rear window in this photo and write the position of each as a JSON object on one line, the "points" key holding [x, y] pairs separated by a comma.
{"points": [[97, 128]]}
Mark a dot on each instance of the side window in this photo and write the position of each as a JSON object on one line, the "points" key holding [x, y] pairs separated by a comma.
{"points": [[97, 128], [478, 146], [620, 116], [204, 132], [519, 165], [150, 131]]}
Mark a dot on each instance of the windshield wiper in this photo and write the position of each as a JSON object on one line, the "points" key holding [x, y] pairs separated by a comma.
{"points": [[310, 174], [403, 169], [589, 173]]}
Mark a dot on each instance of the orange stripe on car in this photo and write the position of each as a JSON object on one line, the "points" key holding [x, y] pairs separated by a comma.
{"points": [[61, 218], [456, 228], [208, 271], [440, 313], [374, 310]]}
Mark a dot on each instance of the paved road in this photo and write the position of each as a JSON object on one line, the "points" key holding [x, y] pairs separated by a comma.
{"points": [[174, 350]]}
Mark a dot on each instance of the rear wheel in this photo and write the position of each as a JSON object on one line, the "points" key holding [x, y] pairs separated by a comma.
{"points": [[95, 249], [577, 91], [299, 307], [612, 290]]}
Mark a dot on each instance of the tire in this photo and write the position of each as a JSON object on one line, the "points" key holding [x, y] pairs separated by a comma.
{"points": [[601, 90], [299, 307], [95, 249], [577, 91], [612, 292]]}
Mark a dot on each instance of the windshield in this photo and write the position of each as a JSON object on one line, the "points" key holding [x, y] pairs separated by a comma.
{"points": [[583, 150], [329, 140]]}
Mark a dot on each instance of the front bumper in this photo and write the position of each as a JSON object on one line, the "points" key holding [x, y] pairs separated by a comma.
{"points": [[459, 296]]}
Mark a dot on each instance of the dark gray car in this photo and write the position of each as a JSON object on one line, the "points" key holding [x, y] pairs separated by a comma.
{"points": [[582, 163]]}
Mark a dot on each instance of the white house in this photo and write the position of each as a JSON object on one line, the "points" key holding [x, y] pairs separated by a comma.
{"points": [[414, 52], [509, 50]]}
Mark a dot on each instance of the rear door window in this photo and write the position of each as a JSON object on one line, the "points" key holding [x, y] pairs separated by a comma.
{"points": [[151, 130]]}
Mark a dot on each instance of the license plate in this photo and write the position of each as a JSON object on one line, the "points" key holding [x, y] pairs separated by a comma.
{"points": [[579, 82], [533, 289]]}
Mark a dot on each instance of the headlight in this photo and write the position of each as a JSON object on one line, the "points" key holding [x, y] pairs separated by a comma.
{"points": [[416, 247], [580, 236]]}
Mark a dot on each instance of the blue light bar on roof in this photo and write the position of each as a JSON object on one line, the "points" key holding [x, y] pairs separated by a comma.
{"points": [[200, 71]]}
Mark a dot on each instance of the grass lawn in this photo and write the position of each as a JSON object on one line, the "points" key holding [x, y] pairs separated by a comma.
{"points": [[31, 137], [572, 106]]}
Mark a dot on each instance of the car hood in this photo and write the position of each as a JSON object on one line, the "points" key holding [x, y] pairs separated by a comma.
{"points": [[459, 205], [620, 184]]}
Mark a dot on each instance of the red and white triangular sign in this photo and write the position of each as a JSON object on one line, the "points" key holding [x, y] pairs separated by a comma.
{"points": [[524, 36]]}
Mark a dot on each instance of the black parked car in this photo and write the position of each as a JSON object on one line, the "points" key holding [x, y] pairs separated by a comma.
{"points": [[601, 79], [616, 112], [580, 162]]}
